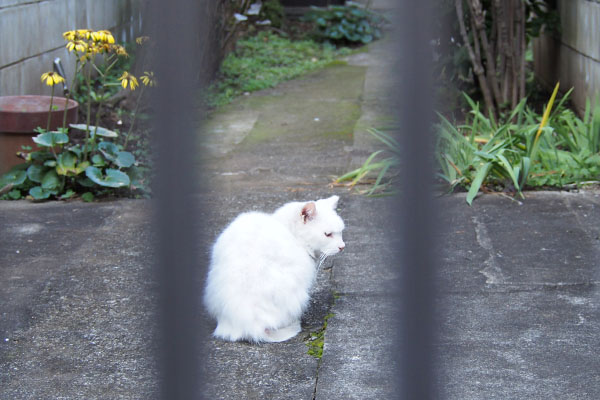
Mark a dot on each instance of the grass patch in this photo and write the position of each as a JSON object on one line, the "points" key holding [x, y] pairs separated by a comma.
{"points": [[265, 60]]}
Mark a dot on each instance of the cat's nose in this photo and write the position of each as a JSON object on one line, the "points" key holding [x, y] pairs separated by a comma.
{"points": [[342, 247]]}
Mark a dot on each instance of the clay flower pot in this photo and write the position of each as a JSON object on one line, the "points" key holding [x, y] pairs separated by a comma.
{"points": [[20, 115]]}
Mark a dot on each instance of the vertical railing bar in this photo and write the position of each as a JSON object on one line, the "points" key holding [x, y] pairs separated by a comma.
{"points": [[416, 216], [176, 27]]}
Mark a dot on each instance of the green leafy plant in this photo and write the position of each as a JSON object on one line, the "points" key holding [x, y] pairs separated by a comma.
{"points": [[62, 167], [347, 24], [272, 10], [59, 168], [265, 60], [377, 173], [524, 151]]}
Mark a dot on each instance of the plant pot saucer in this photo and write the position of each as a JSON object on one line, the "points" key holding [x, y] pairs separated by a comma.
{"points": [[21, 115]]}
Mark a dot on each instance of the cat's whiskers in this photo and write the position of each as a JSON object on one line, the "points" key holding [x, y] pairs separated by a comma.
{"points": [[322, 258]]}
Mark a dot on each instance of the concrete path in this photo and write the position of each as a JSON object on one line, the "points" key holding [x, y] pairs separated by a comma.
{"points": [[518, 301]]}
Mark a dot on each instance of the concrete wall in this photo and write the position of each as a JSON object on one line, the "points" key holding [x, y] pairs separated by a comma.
{"points": [[31, 36], [573, 57]]}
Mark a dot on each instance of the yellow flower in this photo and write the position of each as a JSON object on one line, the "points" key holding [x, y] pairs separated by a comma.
{"points": [[95, 36], [128, 79], [142, 39], [148, 79], [83, 33], [120, 50], [51, 78], [69, 35], [103, 36], [78, 45], [100, 48]]}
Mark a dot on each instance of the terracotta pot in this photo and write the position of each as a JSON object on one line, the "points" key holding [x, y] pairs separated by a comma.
{"points": [[20, 115]]}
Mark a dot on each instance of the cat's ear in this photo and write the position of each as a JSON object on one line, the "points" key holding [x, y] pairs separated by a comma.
{"points": [[309, 211], [333, 200]]}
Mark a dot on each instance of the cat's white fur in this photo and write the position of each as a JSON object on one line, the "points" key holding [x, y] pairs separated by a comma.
{"points": [[263, 267]]}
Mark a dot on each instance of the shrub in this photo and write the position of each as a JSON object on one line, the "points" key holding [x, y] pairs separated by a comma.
{"points": [[349, 24]]}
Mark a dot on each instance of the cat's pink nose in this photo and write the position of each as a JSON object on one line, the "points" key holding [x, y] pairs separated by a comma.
{"points": [[342, 247]]}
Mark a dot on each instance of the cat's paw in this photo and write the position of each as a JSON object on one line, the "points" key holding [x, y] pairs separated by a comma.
{"points": [[282, 334]]}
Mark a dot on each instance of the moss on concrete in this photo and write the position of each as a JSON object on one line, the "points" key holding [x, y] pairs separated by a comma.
{"points": [[317, 339], [321, 104]]}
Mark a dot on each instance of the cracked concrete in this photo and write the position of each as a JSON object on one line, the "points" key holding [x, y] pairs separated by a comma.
{"points": [[492, 271], [525, 326]]}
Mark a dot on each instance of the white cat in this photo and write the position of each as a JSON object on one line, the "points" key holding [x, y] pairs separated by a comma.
{"points": [[263, 267]]}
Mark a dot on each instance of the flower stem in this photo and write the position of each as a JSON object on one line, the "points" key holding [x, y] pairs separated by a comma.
{"points": [[133, 118], [88, 114], [50, 110]]}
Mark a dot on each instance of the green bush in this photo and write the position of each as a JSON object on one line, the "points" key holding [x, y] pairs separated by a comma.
{"points": [[273, 11], [349, 24], [60, 169]]}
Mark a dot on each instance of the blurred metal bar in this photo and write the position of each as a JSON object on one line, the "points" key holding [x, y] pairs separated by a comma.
{"points": [[414, 100], [175, 28], [57, 66]]}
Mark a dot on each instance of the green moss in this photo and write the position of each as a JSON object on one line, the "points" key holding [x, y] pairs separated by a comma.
{"points": [[337, 62], [317, 117], [317, 339]]}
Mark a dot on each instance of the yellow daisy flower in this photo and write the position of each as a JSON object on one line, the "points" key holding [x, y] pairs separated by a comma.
{"points": [[69, 35], [51, 78], [128, 79], [148, 79], [83, 33], [103, 36], [78, 45]]}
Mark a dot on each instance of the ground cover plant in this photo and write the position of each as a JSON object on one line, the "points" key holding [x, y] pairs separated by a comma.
{"points": [[523, 150], [64, 165], [264, 60], [346, 24]]}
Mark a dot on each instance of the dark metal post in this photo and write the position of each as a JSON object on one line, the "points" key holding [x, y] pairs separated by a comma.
{"points": [[414, 98], [175, 27]]}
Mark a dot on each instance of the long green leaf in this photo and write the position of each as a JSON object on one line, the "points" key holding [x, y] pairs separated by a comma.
{"points": [[480, 176], [513, 172], [361, 170]]}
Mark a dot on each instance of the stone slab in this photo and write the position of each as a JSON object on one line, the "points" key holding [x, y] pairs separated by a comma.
{"points": [[357, 356], [77, 305], [515, 320]]}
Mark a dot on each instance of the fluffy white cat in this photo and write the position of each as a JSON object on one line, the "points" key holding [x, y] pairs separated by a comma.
{"points": [[263, 267]]}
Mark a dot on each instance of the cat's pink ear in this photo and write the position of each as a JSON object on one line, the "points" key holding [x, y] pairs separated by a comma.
{"points": [[309, 211]]}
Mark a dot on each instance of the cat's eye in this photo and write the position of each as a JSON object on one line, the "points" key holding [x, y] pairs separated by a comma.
{"points": [[328, 234]]}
